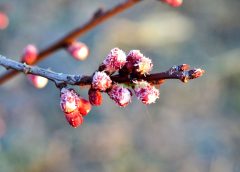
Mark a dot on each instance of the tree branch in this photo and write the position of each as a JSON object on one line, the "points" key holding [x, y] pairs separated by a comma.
{"points": [[180, 72], [97, 19]]}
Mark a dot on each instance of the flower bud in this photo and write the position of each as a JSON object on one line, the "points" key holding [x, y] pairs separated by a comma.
{"points": [[30, 54], [137, 63], [132, 58], [144, 66], [84, 106], [122, 96], [146, 92], [74, 118], [95, 97], [68, 100], [78, 50], [115, 60], [101, 81], [37, 81]]}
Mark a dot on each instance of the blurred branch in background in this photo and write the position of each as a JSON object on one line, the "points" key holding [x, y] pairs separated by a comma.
{"points": [[99, 17]]}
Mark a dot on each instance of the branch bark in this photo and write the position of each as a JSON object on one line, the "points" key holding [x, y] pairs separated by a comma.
{"points": [[93, 22], [180, 72]]}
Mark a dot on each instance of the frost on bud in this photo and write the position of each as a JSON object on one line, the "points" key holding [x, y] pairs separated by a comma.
{"points": [[173, 3], [30, 54], [138, 63], [122, 96], [95, 97], [146, 92], [101, 81], [74, 118], [84, 106], [37, 81], [115, 60], [132, 58], [144, 66], [68, 100], [78, 50]]}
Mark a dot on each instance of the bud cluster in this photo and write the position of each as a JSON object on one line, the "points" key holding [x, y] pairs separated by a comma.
{"points": [[133, 65], [133, 72], [73, 106]]}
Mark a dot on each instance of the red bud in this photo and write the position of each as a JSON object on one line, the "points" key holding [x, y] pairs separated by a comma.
{"points": [[84, 106], [95, 97], [74, 118]]}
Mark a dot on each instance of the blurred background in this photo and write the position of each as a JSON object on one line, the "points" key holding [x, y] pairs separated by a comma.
{"points": [[193, 127]]}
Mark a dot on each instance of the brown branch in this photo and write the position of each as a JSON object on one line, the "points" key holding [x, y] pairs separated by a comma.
{"points": [[93, 22], [180, 72]]}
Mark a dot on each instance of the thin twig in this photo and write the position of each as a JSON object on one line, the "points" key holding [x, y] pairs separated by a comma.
{"points": [[176, 72], [92, 23]]}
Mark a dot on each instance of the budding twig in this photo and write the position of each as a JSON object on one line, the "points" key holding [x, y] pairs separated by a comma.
{"points": [[180, 72], [92, 23]]}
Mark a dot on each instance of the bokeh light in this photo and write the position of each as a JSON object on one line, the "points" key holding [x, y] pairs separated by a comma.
{"points": [[4, 21]]}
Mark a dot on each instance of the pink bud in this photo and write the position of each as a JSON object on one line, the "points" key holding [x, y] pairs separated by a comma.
{"points": [[134, 55], [78, 50], [101, 81], [68, 100], [74, 118], [173, 3], [30, 54], [144, 66], [132, 58], [37, 81], [138, 63], [146, 92], [122, 96], [115, 60], [3, 21]]}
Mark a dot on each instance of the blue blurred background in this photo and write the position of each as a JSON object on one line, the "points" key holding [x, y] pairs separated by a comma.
{"points": [[193, 127]]}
